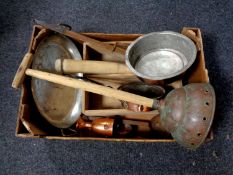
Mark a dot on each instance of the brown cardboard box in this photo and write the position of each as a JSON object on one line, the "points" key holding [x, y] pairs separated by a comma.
{"points": [[31, 124]]}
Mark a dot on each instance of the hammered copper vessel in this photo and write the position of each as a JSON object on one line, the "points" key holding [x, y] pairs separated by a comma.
{"points": [[187, 113]]}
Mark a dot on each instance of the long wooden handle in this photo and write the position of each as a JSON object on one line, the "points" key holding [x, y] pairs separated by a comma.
{"points": [[20, 74], [91, 87], [70, 66], [99, 46]]}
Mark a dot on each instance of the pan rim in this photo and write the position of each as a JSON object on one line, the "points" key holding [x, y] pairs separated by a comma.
{"points": [[192, 56]]}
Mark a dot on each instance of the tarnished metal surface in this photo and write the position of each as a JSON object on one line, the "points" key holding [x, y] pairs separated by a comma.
{"points": [[160, 55], [59, 105], [149, 91], [187, 113]]}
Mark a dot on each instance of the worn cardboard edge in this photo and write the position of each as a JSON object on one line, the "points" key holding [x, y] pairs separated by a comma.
{"points": [[36, 34], [19, 124], [109, 139], [30, 126], [197, 38], [113, 37]]}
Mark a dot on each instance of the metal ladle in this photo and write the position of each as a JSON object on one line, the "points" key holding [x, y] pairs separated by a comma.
{"points": [[187, 113]]}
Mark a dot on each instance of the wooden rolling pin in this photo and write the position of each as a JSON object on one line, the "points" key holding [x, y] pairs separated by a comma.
{"points": [[69, 66]]}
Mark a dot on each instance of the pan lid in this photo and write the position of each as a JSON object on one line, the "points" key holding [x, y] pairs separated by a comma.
{"points": [[59, 105]]}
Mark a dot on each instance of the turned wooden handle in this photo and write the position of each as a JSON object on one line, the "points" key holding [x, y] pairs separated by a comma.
{"points": [[69, 66], [91, 87], [20, 74]]}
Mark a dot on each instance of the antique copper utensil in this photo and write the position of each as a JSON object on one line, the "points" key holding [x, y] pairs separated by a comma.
{"points": [[187, 113], [140, 88], [118, 127], [101, 126], [192, 105], [107, 126]]}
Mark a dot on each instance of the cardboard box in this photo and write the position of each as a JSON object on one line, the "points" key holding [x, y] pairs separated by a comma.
{"points": [[31, 124]]}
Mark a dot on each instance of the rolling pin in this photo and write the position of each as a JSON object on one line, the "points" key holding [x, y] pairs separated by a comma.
{"points": [[69, 66]]}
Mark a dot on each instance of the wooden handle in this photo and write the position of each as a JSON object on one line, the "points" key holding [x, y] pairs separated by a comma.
{"points": [[90, 87], [99, 46], [70, 66], [20, 74]]}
